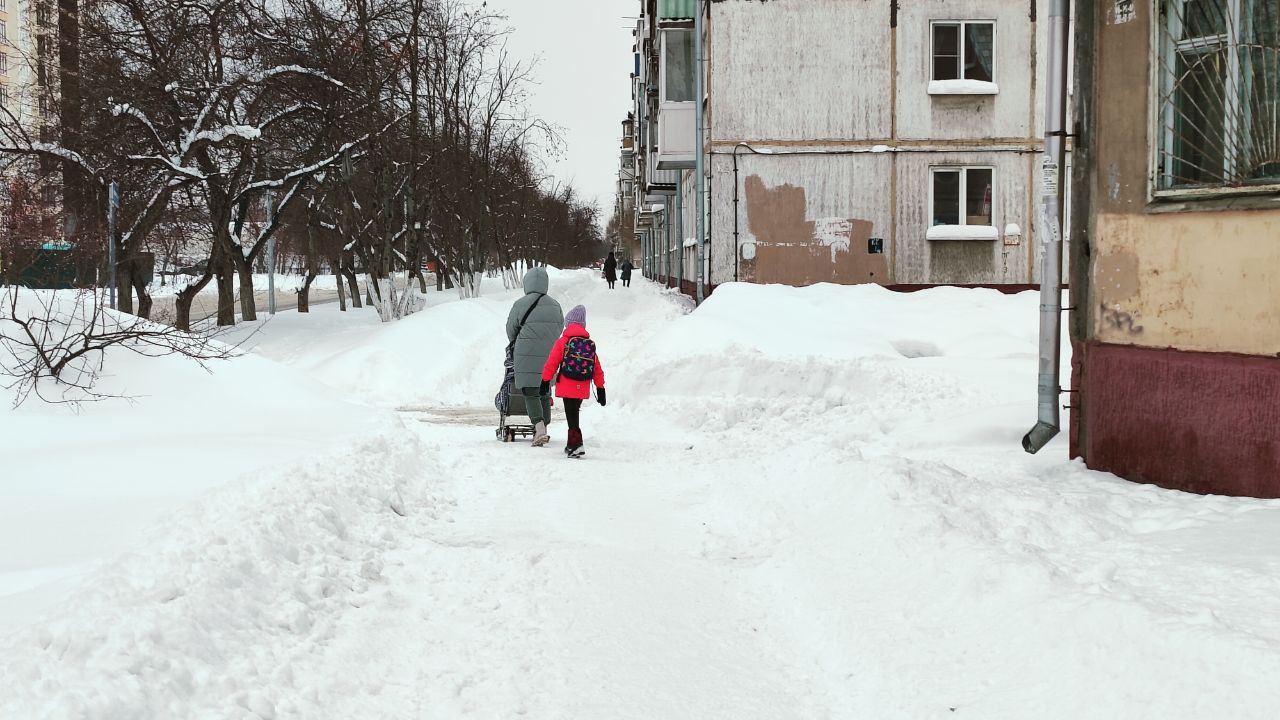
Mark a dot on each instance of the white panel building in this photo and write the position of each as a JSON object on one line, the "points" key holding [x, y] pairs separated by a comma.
{"points": [[848, 141]]}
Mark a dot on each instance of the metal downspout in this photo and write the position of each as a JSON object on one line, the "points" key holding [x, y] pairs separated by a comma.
{"points": [[679, 225], [666, 240], [700, 180], [1049, 385]]}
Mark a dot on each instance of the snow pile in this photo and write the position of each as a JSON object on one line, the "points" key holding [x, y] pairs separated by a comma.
{"points": [[209, 618], [963, 87], [753, 352], [962, 232], [70, 498]]}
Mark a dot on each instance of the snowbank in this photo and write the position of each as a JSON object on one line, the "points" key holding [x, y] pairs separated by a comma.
{"points": [[71, 498]]}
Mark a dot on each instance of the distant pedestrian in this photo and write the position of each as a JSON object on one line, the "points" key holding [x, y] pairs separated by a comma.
{"points": [[532, 327], [575, 366], [627, 267], [611, 270]]}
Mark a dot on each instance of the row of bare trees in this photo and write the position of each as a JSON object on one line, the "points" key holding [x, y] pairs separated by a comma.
{"points": [[367, 137]]}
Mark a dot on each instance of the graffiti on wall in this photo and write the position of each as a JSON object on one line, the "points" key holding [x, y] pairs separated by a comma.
{"points": [[1116, 319], [1124, 11]]}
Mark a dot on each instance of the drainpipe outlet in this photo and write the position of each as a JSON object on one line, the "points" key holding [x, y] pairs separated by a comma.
{"points": [[1039, 436]]}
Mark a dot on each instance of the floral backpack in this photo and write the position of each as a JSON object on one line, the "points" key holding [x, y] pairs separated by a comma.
{"points": [[579, 359]]}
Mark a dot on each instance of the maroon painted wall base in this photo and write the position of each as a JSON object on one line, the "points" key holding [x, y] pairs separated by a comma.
{"points": [[1200, 422], [1006, 289]]}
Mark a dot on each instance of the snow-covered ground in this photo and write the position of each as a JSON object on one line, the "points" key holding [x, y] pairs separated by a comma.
{"points": [[799, 503]]}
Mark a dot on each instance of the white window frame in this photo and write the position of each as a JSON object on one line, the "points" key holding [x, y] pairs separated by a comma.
{"points": [[964, 191], [4, 62], [1161, 115], [664, 33], [4, 30], [932, 55]]}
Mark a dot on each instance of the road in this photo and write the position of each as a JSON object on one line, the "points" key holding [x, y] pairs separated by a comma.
{"points": [[205, 305]]}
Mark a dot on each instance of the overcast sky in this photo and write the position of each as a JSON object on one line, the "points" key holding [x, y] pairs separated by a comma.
{"points": [[584, 51]]}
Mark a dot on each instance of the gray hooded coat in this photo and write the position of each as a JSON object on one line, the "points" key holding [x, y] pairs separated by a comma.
{"points": [[540, 331]]}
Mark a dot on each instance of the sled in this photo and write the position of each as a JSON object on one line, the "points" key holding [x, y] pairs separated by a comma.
{"points": [[511, 410]]}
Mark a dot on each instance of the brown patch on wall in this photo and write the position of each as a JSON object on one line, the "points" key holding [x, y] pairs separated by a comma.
{"points": [[1116, 276], [787, 250], [1120, 128]]}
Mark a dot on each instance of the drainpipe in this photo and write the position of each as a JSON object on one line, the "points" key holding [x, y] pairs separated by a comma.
{"points": [[700, 180], [666, 239], [679, 226], [1049, 385]]}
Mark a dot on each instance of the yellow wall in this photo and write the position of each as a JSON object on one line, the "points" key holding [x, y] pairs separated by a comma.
{"points": [[1207, 281]]}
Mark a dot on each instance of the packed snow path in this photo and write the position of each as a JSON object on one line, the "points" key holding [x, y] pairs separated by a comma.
{"points": [[798, 504]]}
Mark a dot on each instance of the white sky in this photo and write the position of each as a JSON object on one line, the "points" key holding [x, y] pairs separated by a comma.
{"points": [[584, 52]]}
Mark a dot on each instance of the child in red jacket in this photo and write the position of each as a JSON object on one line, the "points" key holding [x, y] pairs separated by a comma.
{"points": [[574, 364]]}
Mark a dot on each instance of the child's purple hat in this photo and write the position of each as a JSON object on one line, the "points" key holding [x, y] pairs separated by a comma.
{"points": [[576, 316]]}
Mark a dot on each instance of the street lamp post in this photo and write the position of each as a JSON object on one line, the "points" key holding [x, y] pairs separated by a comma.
{"points": [[271, 254]]}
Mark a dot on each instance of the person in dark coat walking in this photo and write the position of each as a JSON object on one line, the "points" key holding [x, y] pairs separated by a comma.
{"points": [[611, 270], [543, 323], [627, 267]]}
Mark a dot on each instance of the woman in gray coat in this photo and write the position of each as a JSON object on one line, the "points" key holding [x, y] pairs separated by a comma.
{"points": [[542, 322]]}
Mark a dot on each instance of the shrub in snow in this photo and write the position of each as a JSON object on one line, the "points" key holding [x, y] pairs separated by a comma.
{"points": [[55, 343]]}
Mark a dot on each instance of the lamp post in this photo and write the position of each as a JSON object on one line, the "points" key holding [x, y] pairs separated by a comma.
{"points": [[271, 254], [113, 207]]}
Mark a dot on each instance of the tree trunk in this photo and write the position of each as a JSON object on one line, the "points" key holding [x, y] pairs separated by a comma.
{"points": [[182, 303], [248, 304], [304, 294], [226, 293], [354, 283], [144, 297], [124, 286], [342, 289]]}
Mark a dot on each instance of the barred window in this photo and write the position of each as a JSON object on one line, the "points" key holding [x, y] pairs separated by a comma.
{"points": [[1219, 94]]}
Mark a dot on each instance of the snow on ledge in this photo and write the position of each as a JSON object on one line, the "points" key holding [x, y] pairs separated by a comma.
{"points": [[963, 232], [962, 87]]}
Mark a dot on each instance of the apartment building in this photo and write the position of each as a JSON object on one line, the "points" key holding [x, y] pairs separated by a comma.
{"points": [[893, 142], [1176, 324]]}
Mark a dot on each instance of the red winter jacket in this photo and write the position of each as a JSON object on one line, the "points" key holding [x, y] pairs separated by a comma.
{"points": [[565, 387]]}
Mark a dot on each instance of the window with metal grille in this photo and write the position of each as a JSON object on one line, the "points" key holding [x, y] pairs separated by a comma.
{"points": [[1219, 64]]}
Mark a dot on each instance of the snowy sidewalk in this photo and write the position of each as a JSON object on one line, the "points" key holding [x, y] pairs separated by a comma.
{"points": [[799, 503]]}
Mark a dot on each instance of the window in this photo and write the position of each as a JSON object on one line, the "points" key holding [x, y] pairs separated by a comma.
{"points": [[1219, 98], [964, 51], [677, 66], [4, 97], [962, 196], [4, 63], [4, 31]]}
